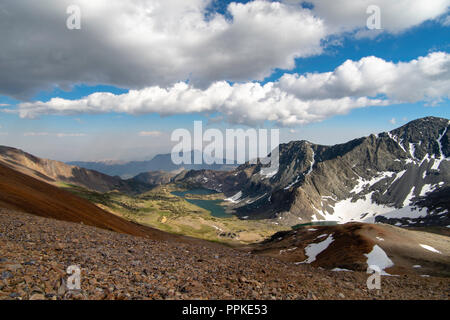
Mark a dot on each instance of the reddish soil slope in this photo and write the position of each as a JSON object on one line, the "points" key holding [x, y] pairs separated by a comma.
{"points": [[36, 251], [352, 241], [56, 172], [24, 193]]}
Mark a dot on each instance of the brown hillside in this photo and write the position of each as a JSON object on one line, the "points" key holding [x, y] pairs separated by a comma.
{"points": [[21, 192], [55, 172], [351, 241], [35, 252]]}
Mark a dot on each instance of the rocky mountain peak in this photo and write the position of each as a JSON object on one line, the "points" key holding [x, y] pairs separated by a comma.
{"points": [[424, 136], [353, 181]]}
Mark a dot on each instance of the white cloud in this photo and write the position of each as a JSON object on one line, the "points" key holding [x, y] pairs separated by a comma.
{"points": [[294, 99], [425, 78], [134, 44], [150, 133], [137, 44], [8, 111], [446, 21], [64, 135], [35, 134], [247, 103], [59, 135], [396, 16], [393, 121]]}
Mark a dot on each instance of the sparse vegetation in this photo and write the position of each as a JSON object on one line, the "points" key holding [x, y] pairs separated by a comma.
{"points": [[161, 209]]}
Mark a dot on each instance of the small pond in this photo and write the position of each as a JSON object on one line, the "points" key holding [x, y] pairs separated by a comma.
{"points": [[212, 206]]}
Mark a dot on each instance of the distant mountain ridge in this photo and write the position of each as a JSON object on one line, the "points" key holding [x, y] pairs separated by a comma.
{"points": [[55, 172], [359, 180], [161, 162], [22, 192]]}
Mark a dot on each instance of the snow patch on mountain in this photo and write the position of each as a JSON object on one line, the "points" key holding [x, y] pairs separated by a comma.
{"points": [[396, 139], [412, 150], [405, 212], [363, 183], [313, 161], [377, 257], [430, 248], [314, 249], [360, 210], [235, 198], [437, 161], [269, 172], [408, 197], [256, 199], [399, 175], [293, 183]]}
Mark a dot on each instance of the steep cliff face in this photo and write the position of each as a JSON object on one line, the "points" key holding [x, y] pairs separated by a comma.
{"points": [[356, 181]]}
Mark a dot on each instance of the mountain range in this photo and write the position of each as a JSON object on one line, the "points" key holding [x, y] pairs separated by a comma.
{"points": [[399, 177], [161, 162], [57, 173], [374, 178]]}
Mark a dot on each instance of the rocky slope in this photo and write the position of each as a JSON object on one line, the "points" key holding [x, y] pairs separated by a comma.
{"points": [[362, 180], [57, 172], [350, 246], [155, 177], [35, 253], [21, 192]]}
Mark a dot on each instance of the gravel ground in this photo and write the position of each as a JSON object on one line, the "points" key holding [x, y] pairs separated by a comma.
{"points": [[35, 253]]}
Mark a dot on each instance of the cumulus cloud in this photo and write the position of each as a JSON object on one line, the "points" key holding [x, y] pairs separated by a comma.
{"points": [[396, 16], [446, 21], [134, 44], [59, 135], [249, 103], [35, 134], [425, 78], [137, 44], [150, 133], [64, 135], [293, 99]]}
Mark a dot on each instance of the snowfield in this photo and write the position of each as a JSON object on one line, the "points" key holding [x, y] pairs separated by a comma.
{"points": [[406, 212], [235, 198], [340, 269], [363, 210], [314, 249], [379, 258], [429, 248]]}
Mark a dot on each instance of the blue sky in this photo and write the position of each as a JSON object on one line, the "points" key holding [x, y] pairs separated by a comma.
{"points": [[115, 135]]}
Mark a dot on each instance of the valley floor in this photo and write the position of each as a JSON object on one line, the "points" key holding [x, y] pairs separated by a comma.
{"points": [[35, 252]]}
